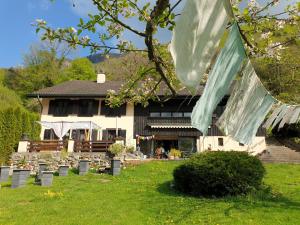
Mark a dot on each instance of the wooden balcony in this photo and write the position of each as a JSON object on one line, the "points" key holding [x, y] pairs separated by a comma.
{"points": [[92, 146]]}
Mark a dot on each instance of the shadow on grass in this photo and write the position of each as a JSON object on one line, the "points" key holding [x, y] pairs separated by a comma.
{"points": [[264, 197]]}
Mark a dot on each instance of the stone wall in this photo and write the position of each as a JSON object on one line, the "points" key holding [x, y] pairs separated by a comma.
{"points": [[31, 160]]}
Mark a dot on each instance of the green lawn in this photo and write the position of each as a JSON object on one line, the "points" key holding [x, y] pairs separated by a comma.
{"points": [[142, 195]]}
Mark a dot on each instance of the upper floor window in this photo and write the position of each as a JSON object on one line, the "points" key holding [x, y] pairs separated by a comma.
{"points": [[170, 114], [65, 107], [154, 114], [112, 112]]}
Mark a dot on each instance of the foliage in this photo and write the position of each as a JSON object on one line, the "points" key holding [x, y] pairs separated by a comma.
{"points": [[8, 98], [148, 183], [175, 152], [130, 149], [219, 174], [80, 69], [265, 34], [15, 121], [116, 149]]}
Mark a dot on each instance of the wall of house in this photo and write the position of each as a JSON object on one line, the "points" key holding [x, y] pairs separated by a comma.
{"points": [[124, 122], [258, 146]]}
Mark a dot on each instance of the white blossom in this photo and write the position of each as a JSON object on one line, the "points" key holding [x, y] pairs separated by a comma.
{"points": [[73, 30]]}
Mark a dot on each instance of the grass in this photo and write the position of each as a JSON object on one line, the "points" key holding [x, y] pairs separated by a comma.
{"points": [[142, 195]]}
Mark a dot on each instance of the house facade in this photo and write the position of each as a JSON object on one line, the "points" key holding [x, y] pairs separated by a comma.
{"points": [[166, 124]]}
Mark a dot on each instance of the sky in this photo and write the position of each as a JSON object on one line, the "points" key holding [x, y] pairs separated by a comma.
{"points": [[17, 33]]}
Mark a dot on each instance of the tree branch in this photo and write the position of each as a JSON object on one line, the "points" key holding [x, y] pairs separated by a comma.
{"points": [[118, 21]]}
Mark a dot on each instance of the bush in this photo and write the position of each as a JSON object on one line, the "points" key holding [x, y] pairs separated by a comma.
{"points": [[217, 174], [116, 149], [174, 152]]}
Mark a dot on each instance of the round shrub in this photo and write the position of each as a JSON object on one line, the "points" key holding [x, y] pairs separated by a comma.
{"points": [[220, 173]]}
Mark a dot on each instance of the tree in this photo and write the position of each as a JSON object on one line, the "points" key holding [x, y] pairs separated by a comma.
{"points": [[80, 69], [114, 17]]}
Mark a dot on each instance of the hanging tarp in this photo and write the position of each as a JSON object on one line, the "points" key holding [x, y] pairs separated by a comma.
{"points": [[283, 114], [219, 80], [196, 37], [247, 107], [61, 128]]}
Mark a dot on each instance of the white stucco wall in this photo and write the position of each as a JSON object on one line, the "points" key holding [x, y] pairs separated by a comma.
{"points": [[123, 122], [259, 144]]}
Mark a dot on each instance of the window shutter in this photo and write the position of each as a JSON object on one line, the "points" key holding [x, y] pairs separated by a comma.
{"points": [[104, 135], [122, 133], [95, 107], [94, 135], [51, 107], [47, 134]]}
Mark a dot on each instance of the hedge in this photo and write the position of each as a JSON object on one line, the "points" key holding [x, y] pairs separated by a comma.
{"points": [[13, 123]]}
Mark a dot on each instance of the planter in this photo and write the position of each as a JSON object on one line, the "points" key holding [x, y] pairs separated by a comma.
{"points": [[171, 157], [63, 171], [176, 157], [19, 178], [47, 178], [115, 167], [4, 173], [84, 166], [42, 167]]}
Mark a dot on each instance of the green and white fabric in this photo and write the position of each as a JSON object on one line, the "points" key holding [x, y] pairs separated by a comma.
{"points": [[196, 37], [283, 114], [219, 80], [247, 107]]}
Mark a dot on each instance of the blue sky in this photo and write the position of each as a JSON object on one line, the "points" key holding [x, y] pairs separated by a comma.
{"points": [[17, 33]]}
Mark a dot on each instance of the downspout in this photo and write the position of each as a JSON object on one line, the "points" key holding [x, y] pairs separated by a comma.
{"points": [[38, 97]]}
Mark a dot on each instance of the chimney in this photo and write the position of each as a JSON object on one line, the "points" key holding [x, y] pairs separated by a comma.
{"points": [[100, 78]]}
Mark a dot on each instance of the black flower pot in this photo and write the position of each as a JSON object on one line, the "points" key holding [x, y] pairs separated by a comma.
{"points": [[42, 167], [84, 166], [63, 171], [115, 167], [4, 173], [47, 178], [19, 178]]}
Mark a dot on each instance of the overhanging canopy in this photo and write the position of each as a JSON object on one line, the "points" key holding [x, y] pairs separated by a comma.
{"points": [[60, 128]]}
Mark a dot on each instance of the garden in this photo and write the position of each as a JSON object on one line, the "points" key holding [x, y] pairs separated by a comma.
{"points": [[144, 194]]}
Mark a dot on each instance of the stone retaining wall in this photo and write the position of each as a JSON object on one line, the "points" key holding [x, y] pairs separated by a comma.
{"points": [[31, 160]]}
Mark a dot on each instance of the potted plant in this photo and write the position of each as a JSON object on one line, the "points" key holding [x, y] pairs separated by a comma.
{"points": [[47, 178], [84, 166], [115, 150], [4, 173], [174, 154]]}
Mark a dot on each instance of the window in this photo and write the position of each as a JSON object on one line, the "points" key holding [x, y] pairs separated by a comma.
{"points": [[166, 114], [49, 135], [112, 112], [241, 144], [187, 144], [59, 107], [88, 107], [187, 114], [110, 134], [177, 114], [220, 142], [154, 114], [65, 107]]}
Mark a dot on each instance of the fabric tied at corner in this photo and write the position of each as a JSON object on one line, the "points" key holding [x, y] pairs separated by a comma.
{"points": [[219, 80], [196, 37], [247, 107]]}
